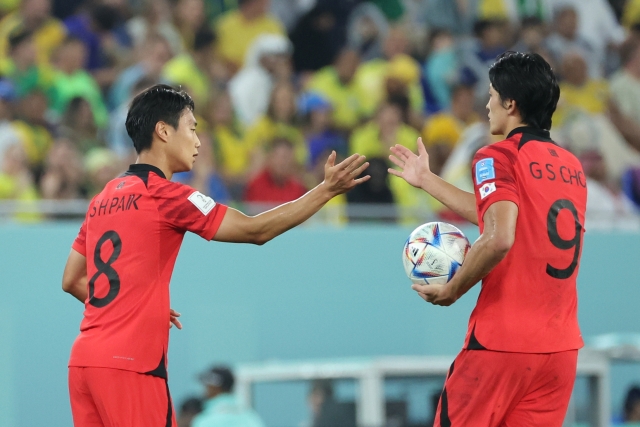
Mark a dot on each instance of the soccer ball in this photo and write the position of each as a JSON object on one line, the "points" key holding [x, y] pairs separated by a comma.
{"points": [[434, 252]]}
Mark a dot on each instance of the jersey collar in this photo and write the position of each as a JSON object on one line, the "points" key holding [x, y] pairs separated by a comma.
{"points": [[540, 134], [143, 168]]}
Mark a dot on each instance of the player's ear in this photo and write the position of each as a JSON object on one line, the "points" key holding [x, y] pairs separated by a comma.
{"points": [[511, 106], [162, 130]]}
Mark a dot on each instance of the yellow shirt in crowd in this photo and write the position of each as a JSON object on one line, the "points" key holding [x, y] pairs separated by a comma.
{"points": [[347, 110], [590, 98], [260, 134], [47, 38], [182, 70], [233, 151], [236, 34]]}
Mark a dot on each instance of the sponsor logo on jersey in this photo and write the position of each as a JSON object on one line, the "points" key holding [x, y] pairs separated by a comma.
{"points": [[487, 189], [485, 170], [204, 203]]}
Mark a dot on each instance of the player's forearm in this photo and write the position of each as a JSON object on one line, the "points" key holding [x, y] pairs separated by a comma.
{"points": [[278, 220], [483, 256], [78, 289], [461, 202]]}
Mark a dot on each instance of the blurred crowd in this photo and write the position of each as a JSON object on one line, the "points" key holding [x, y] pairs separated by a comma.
{"points": [[280, 84]]}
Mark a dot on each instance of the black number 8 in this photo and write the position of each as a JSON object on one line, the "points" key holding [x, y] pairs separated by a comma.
{"points": [[106, 269], [559, 242]]}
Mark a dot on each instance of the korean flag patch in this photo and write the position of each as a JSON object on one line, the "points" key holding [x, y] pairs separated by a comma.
{"points": [[487, 189], [202, 202], [485, 170]]}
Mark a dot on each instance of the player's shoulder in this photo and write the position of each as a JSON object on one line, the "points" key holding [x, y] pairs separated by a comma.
{"points": [[505, 151]]}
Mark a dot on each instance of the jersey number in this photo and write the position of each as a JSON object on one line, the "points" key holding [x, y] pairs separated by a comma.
{"points": [[559, 242], [106, 269]]}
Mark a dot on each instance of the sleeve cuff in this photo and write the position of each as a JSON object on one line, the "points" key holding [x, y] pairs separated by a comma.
{"points": [[210, 232], [80, 248]]}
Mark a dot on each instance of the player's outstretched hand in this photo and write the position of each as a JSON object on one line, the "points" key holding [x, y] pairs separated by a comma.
{"points": [[343, 177], [435, 294], [413, 168], [173, 319]]}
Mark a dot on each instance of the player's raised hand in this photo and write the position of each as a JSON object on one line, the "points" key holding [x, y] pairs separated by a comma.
{"points": [[173, 319], [435, 294], [343, 177], [413, 168]]}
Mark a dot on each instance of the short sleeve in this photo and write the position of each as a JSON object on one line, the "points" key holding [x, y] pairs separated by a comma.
{"points": [[187, 209], [80, 244], [493, 178]]}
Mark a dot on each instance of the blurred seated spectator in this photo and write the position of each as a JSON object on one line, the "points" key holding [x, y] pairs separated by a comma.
{"points": [[565, 38], [188, 18], [16, 180], [375, 138], [337, 84], [154, 54], [8, 133], [221, 407], [203, 176], [578, 92], [631, 414], [442, 131], [441, 68], [367, 31], [118, 139], [326, 410], [375, 191], [63, 176], [34, 16], [238, 29], [236, 158], [514, 10], [279, 122], [189, 409], [102, 165], [79, 125], [625, 93], [107, 44], [268, 61], [319, 35], [277, 183], [478, 54], [22, 68], [154, 19], [71, 80], [319, 133], [395, 69], [532, 36], [34, 129], [193, 70]]}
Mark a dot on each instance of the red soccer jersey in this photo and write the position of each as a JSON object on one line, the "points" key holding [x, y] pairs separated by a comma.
{"points": [[131, 237], [528, 302]]}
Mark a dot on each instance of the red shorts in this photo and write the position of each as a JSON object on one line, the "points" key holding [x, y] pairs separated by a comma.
{"points": [[105, 397], [498, 389]]}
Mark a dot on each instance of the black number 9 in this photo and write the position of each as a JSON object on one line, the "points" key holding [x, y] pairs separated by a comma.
{"points": [[106, 269], [559, 242]]}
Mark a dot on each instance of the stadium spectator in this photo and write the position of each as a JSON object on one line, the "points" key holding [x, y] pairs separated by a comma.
{"points": [[336, 83], [625, 93], [235, 157], [79, 125], [8, 133], [375, 191], [71, 80], [17, 181], [565, 38], [532, 36], [153, 57], [238, 29], [277, 182], [189, 18], [189, 409], [34, 128], [279, 122], [367, 31], [193, 71], [221, 408], [268, 61], [440, 69], [22, 68], [442, 131], [632, 405], [101, 165], [34, 16], [326, 410], [395, 72], [514, 11], [154, 19], [63, 176]]}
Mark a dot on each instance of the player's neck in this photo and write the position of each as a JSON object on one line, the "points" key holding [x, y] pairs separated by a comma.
{"points": [[513, 123], [155, 159]]}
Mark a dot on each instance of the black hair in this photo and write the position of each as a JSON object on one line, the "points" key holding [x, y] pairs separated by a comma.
{"points": [[191, 406], [105, 17], [18, 37], [159, 103], [633, 397], [527, 79], [203, 38]]}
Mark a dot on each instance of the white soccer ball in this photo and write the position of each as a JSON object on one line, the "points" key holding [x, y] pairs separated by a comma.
{"points": [[434, 252]]}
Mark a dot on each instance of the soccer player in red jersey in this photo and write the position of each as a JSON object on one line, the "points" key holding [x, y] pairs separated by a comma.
{"points": [[518, 363], [122, 259]]}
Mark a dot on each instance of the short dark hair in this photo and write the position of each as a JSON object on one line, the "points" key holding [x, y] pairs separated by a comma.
{"points": [[527, 79], [632, 398], [159, 103], [19, 36], [203, 38]]}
